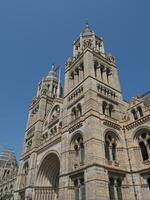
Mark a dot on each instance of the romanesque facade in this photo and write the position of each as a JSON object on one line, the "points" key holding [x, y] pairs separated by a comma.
{"points": [[85, 142]]}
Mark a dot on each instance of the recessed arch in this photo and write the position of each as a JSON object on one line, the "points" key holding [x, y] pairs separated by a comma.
{"points": [[139, 131], [48, 172], [113, 133], [75, 136]]}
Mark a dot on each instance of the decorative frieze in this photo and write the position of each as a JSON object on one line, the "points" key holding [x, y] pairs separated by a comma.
{"points": [[112, 125], [106, 91], [75, 126], [138, 122], [76, 93]]}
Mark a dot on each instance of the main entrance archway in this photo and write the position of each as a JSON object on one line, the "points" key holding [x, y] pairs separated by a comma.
{"points": [[47, 184]]}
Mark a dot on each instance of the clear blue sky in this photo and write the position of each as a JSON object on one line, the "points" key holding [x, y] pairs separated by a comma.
{"points": [[35, 33]]}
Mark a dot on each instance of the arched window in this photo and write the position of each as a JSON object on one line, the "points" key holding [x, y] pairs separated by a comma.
{"points": [[104, 107], [134, 114], [79, 149], [143, 151], [79, 110], [73, 114], [139, 109], [110, 147]]}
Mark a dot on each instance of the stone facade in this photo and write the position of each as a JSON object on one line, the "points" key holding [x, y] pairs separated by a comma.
{"points": [[87, 143]]}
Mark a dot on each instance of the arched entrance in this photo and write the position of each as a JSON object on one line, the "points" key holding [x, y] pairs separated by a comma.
{"points": [[47, 185]]}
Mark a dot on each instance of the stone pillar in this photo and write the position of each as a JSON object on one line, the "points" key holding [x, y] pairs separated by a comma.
{"points": [[96, 185]]}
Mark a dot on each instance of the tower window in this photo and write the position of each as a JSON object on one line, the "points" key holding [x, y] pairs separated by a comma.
{"points": [[144, 151], [139, 109], [104, 107], [134, 114], [95, 67], [110, 109], [102, 71]]}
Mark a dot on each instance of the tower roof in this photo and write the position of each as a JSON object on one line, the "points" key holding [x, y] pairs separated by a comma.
{"points": [[87, 30], [52, 74]]}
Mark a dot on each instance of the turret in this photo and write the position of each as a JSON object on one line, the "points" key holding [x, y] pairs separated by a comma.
{"points": [[50, 85]]}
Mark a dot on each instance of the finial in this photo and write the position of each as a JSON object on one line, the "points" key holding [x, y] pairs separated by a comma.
{"points": [[86, 23], [53, 66]]}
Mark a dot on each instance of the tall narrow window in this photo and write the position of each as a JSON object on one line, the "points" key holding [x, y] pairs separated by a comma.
{"points": [[79, 150], [134, 114], [82, 188], [79, 188], [108, 74], [140, 111], [110, 110], [76, 190], [102, 71], [107, 154], [82, 152], [104, 107], [110, 147], [111, 189], [114, 151], [79, 110], [73, 114], [144, 151], [95, 67], [119, 192]]}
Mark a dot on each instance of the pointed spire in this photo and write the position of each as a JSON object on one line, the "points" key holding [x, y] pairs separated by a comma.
{"points": [[59, 83]]}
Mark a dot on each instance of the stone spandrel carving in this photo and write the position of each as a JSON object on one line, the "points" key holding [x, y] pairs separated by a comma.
{"points": [[87, 43]]}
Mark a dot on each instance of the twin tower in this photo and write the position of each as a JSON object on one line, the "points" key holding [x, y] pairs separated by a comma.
{"points": [[85, 142]]}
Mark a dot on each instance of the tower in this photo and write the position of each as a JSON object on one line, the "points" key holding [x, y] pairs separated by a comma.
{"points": [[48, 92], [93, 107]]}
